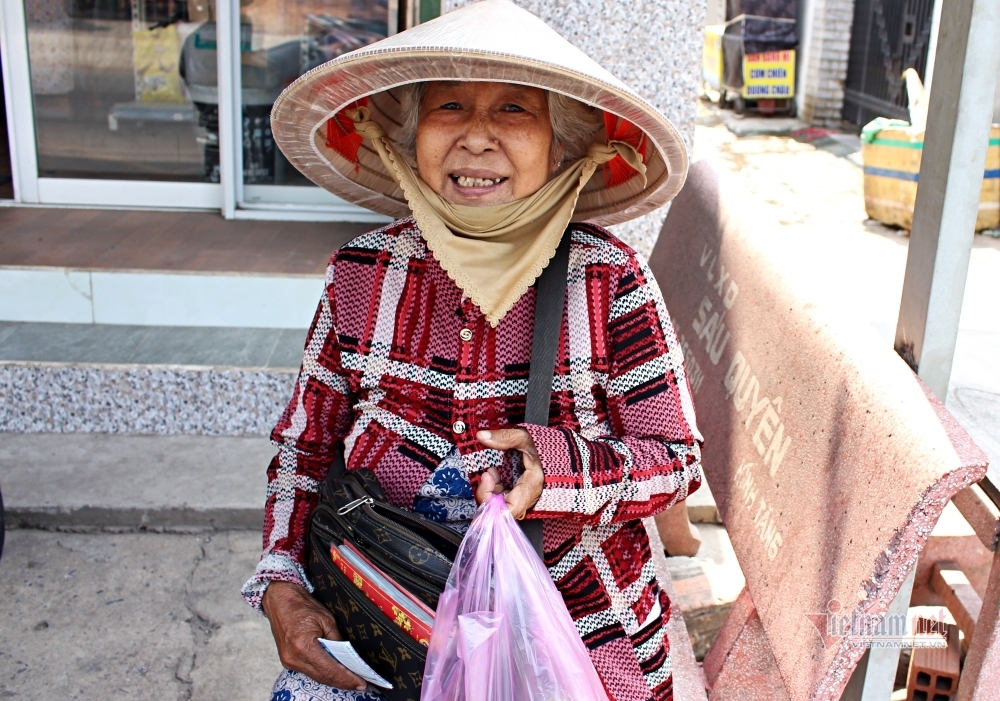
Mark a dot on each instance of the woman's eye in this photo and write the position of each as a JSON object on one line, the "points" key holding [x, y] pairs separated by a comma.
{"points": [[451, 106], [511, 107]]}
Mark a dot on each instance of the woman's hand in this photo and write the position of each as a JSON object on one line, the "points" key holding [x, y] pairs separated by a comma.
{"points": [[529, 487], [297, 620]]}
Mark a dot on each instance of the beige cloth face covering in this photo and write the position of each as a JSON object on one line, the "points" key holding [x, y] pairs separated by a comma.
{"points": [[493, 253]]}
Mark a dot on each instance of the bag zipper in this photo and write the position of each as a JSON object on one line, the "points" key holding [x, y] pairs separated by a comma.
{"points": [[370, 502], [374, 504], [403, 528], [348, 508]]}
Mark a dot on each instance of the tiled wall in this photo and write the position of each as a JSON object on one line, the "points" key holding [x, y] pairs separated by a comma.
{"points": [[654, 46], [44, 398], [825, 43], [98, 378]]}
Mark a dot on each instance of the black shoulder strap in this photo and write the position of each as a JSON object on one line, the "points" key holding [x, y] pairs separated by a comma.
{"points": [[338, 469], [551, 288]]}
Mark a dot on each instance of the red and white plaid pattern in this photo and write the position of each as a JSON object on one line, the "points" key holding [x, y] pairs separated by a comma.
{"points": [[386, 373]]}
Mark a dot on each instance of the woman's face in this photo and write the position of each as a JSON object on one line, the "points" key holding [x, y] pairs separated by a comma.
{"points": [[484, 143]]}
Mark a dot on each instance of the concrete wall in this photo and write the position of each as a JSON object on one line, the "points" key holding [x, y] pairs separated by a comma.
{"points": [[652, 45], [824, 46], [715, 12]]}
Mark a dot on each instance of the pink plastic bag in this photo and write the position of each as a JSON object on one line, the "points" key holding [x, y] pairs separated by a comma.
{"points": [[502, 631]]}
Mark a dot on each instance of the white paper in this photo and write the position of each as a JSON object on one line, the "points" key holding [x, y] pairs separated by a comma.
{"points": [[345, 654]]}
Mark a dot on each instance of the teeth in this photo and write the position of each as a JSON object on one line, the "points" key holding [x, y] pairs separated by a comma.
{"points": [[476, 182]]}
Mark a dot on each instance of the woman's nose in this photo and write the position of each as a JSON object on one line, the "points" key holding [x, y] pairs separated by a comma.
{"points": [[479, 135]]}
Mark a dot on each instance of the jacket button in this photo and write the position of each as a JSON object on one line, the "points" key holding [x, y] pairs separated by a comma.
{"points": [[465, 334], [458, 427]]}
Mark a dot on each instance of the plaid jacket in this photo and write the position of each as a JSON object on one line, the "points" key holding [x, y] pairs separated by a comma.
{"points": [[386, 372]]}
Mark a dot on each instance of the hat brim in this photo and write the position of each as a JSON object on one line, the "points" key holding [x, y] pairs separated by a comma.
{"points": [[300, 115]]}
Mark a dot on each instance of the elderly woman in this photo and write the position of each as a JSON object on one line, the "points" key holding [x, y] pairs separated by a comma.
{"points": [[495, 138]]}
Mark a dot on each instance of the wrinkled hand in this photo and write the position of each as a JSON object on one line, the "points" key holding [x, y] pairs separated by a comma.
{"points": [[297, 619], [529, 486]]}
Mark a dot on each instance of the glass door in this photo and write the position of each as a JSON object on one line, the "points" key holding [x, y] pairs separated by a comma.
{"points": [[114, 114], [166, 103], [281, 40]]}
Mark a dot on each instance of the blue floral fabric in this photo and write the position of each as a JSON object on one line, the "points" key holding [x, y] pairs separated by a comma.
{"points": [[446, 496], [295, 686]]}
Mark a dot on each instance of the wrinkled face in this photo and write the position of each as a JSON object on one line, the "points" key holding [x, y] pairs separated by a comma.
{"points": [[483, 144]]}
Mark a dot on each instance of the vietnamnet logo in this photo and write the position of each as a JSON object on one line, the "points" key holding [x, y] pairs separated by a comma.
{"points": [[870, 630]]}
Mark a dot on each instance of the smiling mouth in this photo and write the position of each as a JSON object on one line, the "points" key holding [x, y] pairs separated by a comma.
{"points": [[465, 181]]}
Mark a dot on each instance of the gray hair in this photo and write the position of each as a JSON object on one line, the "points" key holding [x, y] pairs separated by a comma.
{"points": [[574, 124]]}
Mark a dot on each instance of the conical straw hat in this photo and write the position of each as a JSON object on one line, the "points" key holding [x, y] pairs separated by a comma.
{"points": [[493, 40]]}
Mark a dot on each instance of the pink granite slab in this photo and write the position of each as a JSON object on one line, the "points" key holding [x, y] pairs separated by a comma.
{"points": [[829, 462], [750, 672]]}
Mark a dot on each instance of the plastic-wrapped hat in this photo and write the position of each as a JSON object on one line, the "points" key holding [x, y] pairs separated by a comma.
{"points": [[493, 40]]}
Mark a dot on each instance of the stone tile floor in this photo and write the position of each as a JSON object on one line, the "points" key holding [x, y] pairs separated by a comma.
{"points": [[179, 241]]}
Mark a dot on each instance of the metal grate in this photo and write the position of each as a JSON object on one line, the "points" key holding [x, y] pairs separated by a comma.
{"points": [[888, 36]]}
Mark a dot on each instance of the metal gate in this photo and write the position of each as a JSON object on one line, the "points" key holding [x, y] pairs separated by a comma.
{"points": [[888, 37]]}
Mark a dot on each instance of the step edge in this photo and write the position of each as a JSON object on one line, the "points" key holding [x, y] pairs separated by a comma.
{"points": [[134, 518]]}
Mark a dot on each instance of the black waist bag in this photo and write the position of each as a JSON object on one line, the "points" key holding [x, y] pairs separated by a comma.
{"points": [[416, 552]]}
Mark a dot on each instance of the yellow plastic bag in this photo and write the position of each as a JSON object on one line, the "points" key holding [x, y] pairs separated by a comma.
{"points": [[156, 53]]}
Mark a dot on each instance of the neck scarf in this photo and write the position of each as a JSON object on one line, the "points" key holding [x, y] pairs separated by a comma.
{"points": [[493, 253]]}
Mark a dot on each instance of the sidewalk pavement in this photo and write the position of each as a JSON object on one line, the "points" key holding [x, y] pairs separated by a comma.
{"points": [[136, 616], [97, 481]]}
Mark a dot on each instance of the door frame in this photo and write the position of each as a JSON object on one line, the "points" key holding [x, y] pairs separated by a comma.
{"points": [[243, 201], [20, 112]]}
